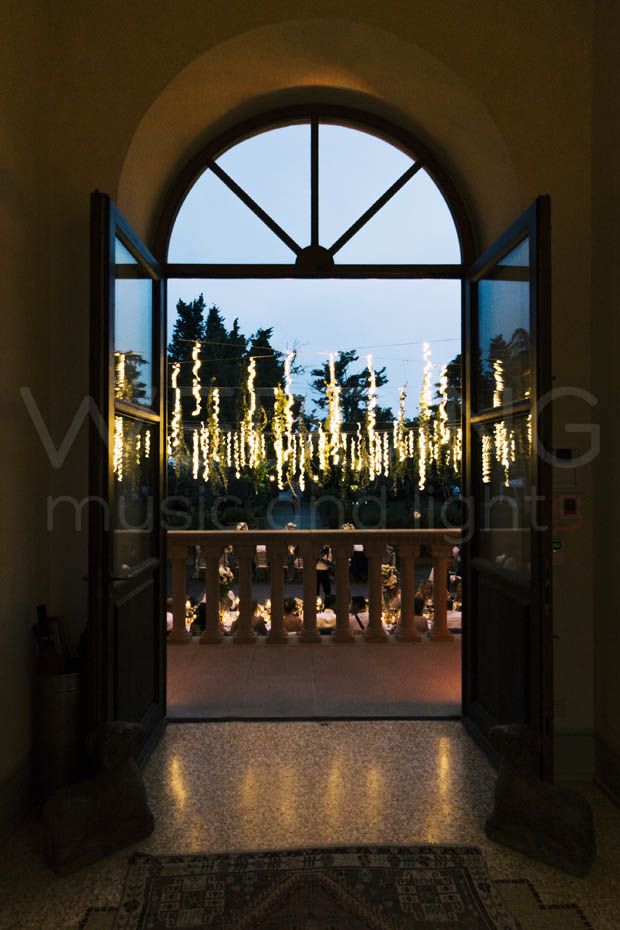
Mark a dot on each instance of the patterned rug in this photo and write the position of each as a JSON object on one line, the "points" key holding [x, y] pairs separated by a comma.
{"points": [[359, 888]]}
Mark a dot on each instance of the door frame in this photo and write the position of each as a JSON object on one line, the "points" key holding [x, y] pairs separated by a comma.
{"points": [[172, 200]]}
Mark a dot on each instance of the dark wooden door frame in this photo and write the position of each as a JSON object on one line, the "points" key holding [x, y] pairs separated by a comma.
{"points": [[172, 201]]}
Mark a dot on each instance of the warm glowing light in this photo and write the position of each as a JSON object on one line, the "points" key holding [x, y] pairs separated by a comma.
{"points": [[498, 375], [323, 449], [117, 461], [195, 453], [204, 449], [442, 412], [177, 782], [176, 425], [121, 383], [386, 455], [502, 449], [457, 449], [424, 443], [295, 456], [289, 454], [279, 432], [400, 438], [371, 419], [334, 414], [196, 379], [487, 446]]}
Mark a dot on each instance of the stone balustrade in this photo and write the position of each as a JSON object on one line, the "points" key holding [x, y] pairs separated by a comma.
{"points": [[310, 542]]}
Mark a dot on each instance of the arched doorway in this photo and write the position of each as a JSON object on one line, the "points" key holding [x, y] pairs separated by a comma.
{"points": [[325, 230], [499, 430]]}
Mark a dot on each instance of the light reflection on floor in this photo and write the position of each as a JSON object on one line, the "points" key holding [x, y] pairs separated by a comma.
{"points": [[234, 786]]}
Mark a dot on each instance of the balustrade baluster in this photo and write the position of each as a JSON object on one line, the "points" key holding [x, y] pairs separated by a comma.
{"points": [[277, 634], [343, 632], [406, 628], [309, 633], [178, 557], [442, 553], [245, 633], [375, 631], [213, 632]]}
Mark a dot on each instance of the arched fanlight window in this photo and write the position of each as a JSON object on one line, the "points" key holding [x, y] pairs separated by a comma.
{"points": [[302, 195], [316, 196]]}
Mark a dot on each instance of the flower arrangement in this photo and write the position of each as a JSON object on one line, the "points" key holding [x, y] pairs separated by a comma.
{"points": [[225, 580], [389, 577]]}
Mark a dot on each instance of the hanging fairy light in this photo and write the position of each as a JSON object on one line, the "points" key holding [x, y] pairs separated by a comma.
{"points": [[323, 449], [121, 377], [289, 453], [359, 443], [371, 419], [215, 420], [457, 449], [305, 455], [422, 458], [138, 448], [372, 450], [426, 396], [487, 448], [498, 377], [279, 431], [236, 455], [334, 415], [195, 453], [147, 444], [242, 444], [400, 439], [196, 392], [424, 449], [204, 449], [502, 448], [250, 433], [117, 459], [442, 412], [176, 426]]}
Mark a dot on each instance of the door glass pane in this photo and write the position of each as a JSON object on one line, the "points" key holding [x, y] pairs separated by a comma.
{"points": [[135, 460], [133, 330], [504, 362], [504, 504]]}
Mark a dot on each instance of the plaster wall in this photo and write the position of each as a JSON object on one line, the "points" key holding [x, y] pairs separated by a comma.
{"points": [[605, 324], [23, 362]]}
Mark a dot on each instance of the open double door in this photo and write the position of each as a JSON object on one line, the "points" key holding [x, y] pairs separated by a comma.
{"points": [[506, 351]]}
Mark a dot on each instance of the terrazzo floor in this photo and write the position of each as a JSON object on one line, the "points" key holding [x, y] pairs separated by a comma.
{"points": [[303, 680], [235, 786]]}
